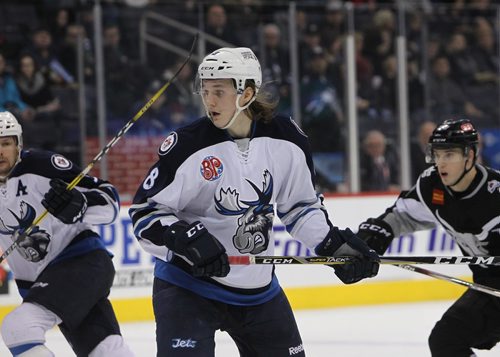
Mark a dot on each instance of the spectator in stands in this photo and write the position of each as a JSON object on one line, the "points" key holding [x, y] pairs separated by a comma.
{"points": [[59, 23], [275, 66], [446, 98], [418, 149], [45, 54], [154, 122], [485, 54], [379, 164], [385, 86], [310, 42], [247, 15], [181, 105], [485, 93], [10, 99], [462, 65], [69, 48], [332, 25], [217, 25], [379, 39], [321, 109], [42, 131], [33, 87], [122, 86]]}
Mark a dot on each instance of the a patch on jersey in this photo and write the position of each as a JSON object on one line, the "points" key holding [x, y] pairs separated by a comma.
{"points": [[438, 197], [168, 143], [211, 168], [493, 185], [60, 162]]}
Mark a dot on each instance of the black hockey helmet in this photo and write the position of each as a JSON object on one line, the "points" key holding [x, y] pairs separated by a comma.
{"points": [[453, 133]]}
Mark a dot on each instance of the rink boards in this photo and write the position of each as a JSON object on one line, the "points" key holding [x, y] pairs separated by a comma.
{"points": [[306, 286]]}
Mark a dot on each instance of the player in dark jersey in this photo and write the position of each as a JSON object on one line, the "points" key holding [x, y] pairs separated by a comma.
{"points": [[214, 192], [464, 198], [62, 269]]}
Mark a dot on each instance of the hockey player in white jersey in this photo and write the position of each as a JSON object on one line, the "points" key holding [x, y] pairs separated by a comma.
{"points": [[213, 192], [61, 268], [464, 198]]}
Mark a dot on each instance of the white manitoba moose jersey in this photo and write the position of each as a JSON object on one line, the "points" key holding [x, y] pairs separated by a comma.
{"points": [[20, 203], [234, 187]]}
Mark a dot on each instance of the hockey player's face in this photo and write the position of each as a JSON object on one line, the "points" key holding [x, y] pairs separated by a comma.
{"points": [[450, 164], [219, 98], [8, 154]]}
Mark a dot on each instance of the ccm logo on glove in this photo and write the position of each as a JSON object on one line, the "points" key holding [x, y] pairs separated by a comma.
{"points": [[195, 229], [375, 228]]}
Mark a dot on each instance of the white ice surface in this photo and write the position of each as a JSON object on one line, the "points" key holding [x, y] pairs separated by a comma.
{"points": [[382, 330]]}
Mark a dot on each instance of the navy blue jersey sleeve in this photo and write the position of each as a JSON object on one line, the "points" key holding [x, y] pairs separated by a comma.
{"points": [[102, 197]]}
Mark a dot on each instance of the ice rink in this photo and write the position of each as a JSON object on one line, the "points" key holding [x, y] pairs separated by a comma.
{"points": [[375, 331]]}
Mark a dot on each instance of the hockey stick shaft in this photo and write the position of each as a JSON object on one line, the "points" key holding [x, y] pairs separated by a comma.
{"points": [[470, 285], [324, 260], [104, 151]]}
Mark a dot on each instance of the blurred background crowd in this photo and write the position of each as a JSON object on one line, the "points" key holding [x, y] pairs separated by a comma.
{"points": [[70, 86]]}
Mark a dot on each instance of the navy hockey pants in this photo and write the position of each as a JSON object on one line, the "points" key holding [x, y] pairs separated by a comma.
{"points": [[186, 325]]}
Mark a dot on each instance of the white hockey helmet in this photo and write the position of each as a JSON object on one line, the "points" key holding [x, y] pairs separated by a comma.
{"points": [[239, 64], [9, 126]]}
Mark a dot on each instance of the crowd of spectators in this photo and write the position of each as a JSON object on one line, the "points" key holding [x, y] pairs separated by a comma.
{"points": [[453, 65]]}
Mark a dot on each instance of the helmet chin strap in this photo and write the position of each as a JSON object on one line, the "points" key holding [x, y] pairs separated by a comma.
{"points": [[238, 110], [465, 172]]}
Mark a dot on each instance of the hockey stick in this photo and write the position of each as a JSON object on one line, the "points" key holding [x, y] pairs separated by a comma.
{"points": [[287, 259], [104, 151], [474, 286]]}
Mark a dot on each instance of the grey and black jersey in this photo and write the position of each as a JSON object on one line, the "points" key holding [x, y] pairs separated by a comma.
{"points": [[471, 218]]}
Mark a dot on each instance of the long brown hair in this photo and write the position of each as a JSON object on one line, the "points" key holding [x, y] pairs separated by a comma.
{"points": [[264, 106]]}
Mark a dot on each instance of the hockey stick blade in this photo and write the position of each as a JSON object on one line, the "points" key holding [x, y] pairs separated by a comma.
{"points": [[323, 260], [103, 152]]}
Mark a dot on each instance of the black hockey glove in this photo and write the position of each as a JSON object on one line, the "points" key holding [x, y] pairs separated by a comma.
{"points": [[207, 254], [376, 233], [34, 246], [69, 206], [345, 242]]}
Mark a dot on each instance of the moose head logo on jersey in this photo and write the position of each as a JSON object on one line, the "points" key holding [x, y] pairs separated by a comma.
{"points": [[256, 221], [23, 221]]}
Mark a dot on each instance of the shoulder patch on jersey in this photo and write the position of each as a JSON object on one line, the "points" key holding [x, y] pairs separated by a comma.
{"points": [[168, 143], [60, 162], [493, 185], [211, 168]]}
